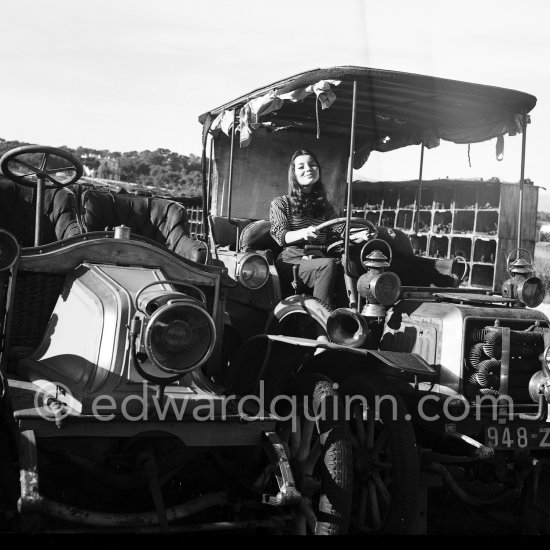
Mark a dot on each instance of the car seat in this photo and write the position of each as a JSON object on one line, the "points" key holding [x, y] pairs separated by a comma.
{"points": [[162, 220], [419, 270], [18, 212], [224, 232]]}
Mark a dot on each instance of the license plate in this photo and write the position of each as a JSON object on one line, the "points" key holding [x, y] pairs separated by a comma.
{"points": [[517, 437]]}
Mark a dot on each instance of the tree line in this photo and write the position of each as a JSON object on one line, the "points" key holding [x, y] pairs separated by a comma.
{"points": [[179, 175]]}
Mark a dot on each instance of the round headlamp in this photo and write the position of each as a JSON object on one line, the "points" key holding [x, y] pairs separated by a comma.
{"points": [[545, 361], [179, 337], [9, 250], [536, 385], [531, 292], [252, 271]]}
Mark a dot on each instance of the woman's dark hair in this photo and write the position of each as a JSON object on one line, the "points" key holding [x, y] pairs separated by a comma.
{"points": [[314, 202]]}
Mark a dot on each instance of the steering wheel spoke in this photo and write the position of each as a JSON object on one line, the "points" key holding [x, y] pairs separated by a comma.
{"points": [[60, 169], [44, 162], [28, 175]]}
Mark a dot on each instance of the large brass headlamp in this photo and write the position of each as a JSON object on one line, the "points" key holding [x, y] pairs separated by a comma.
{"points": [[176, 331]]}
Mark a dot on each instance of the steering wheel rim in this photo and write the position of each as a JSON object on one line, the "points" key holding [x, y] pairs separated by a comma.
{"points": [[359, 221], [42, 170]]}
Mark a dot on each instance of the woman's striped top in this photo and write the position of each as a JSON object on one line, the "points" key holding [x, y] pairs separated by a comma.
{"points": [[282, 220]]}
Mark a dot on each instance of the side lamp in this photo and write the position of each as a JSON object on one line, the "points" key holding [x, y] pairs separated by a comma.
{"points": [[379, 287], [522, 285]]}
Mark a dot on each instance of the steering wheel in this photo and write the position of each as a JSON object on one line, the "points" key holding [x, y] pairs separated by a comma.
{"points": [[372, 234], [30, 165]]}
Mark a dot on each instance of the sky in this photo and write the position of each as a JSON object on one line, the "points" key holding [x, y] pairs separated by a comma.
{"points": [[130, 75]]}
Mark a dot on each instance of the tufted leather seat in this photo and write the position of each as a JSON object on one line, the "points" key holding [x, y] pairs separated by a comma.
{"points": [[17, 213], [257, 235], [161, 220], [419, 270]]}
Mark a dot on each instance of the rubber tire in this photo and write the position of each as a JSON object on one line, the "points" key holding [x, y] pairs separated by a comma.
{"points": [[402, 516], [336, 471]]}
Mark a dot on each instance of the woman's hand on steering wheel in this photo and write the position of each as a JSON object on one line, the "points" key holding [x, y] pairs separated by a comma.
{"points": [[359, 237], [310, 234], [361, 230]]}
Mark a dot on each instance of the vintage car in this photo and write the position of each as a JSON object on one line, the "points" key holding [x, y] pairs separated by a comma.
{"points": [[113, 416], [441, 381]]}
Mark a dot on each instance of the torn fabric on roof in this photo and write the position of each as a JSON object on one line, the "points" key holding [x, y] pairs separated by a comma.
{"points": [[500, 147], [363, 150], [322, 89], [251, 112]]}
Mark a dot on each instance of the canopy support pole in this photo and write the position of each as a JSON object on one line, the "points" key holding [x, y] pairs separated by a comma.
{"points": [[521, 180], [230, 174], [352, 294], [417, 219], [209, 175], [206, 180], [208, 223], [230, 180]]}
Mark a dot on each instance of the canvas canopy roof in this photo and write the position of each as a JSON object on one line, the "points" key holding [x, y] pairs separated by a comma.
{"points": [[394, 109]]}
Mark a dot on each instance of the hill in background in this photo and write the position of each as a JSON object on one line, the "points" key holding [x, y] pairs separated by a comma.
{"points": [[175, 174]]}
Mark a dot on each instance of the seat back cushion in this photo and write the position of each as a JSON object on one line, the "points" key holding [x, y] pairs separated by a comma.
{"points": [[257, 235], [422, 271], [225, 232], [60, 208], [398, 240], [17, 213], [162, 220]]}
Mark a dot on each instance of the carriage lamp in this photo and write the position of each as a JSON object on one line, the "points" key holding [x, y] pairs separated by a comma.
{"points": [[523, 285], [9, 250], [252, 271], [379, 287]]}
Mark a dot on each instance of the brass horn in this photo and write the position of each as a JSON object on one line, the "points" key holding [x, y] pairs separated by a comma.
{"points": [[346, 327]]}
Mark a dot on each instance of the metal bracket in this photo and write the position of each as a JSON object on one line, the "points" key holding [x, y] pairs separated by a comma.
{"points": [[481, 451], [542, 411], [30, 500], [288, 494], [150, 469]]}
